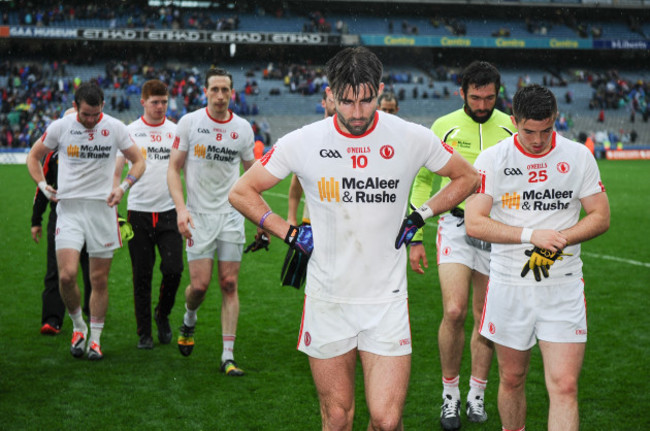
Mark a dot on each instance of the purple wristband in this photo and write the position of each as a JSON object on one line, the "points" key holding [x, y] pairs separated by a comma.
{"points": [[268, 213]]}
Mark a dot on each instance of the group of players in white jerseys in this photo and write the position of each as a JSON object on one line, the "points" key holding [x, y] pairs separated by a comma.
{"points": [[356, 169]]}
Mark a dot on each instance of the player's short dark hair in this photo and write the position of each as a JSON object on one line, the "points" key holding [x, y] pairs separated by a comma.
{"points": [[154, 87], [217, 71], [353, 67], [534, 102], [480, 74], [388, 96], [90, 93]]}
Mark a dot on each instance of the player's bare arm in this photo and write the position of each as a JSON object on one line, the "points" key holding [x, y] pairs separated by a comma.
{"points": [[247, 164], [36, 154], [184, 219], [594, 223], [464, 181], [138, 165], [295, 193], [246, 197], [120, 161], [479, 225], [418, 258]]}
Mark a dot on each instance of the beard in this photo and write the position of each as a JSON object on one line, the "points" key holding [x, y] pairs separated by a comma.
{"points": [[478, 116], [356, 130]]}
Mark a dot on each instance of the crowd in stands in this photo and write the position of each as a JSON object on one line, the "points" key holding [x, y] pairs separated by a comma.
{"points": [[612, 91], [34, 93]]}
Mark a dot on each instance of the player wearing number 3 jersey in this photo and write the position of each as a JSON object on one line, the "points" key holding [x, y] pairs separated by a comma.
{"points": [[356, 169], [528, 206]]}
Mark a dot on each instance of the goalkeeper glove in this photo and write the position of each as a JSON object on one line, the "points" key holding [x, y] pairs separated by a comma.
{"points": [[260, 242], [126, 230], [541, 259], [410, 225], [300, 238]]}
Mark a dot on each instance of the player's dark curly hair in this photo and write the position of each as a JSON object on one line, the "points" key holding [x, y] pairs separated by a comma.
{"points": [[353, 67], [534, 102], [216, 71], [480, 74], [90, 93]]}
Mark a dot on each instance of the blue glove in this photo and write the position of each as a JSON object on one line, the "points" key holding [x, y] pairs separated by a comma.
{"points": [[300, 238], [410, 225]]}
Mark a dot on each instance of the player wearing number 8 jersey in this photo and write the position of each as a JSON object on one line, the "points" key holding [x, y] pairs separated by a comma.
{"points": [[533, 188], [356, 169], [209, 147]]}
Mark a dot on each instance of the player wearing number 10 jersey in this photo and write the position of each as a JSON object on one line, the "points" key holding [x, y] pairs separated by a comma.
{"points": [[356, 169]]}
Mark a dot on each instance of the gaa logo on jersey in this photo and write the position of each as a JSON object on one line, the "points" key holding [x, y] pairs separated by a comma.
{"points": [[105, 132], [234, 135], [387, 152], [563, 167]]}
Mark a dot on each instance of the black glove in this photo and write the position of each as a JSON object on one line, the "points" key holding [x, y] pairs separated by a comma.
{"points": [[300, 238], [410, 225], [294, 269], [260, 242], [541, 259]]}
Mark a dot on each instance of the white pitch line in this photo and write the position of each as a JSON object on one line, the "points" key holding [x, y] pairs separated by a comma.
{"points": [[617, 259]]}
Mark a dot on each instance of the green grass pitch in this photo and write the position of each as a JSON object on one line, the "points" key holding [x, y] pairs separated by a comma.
{"points": [[43, 387]]}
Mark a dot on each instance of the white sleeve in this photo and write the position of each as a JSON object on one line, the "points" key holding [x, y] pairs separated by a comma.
{"points": [[484, 167], [181, 142], [124, 140], [439, 152], [247, 153], [280, 160], [52, 133], [591, 183]]}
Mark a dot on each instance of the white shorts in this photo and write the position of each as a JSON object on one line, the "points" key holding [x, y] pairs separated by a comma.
{"points": [[452, 245], [91, 222], [330, 329], [223, 233], [515, 315]]}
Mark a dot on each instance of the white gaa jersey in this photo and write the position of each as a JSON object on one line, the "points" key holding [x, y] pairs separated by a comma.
{"points": [[150, 193], [537, 192], [86, 156], [357, 189], [214, 152]]}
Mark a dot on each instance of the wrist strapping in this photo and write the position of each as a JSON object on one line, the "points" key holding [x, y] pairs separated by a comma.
{"points": [[526, 234], [425, 211], [42, 186], [128, 182]]}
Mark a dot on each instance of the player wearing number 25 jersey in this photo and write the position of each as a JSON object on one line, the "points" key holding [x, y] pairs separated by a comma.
{"points": [[528, 206]]}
